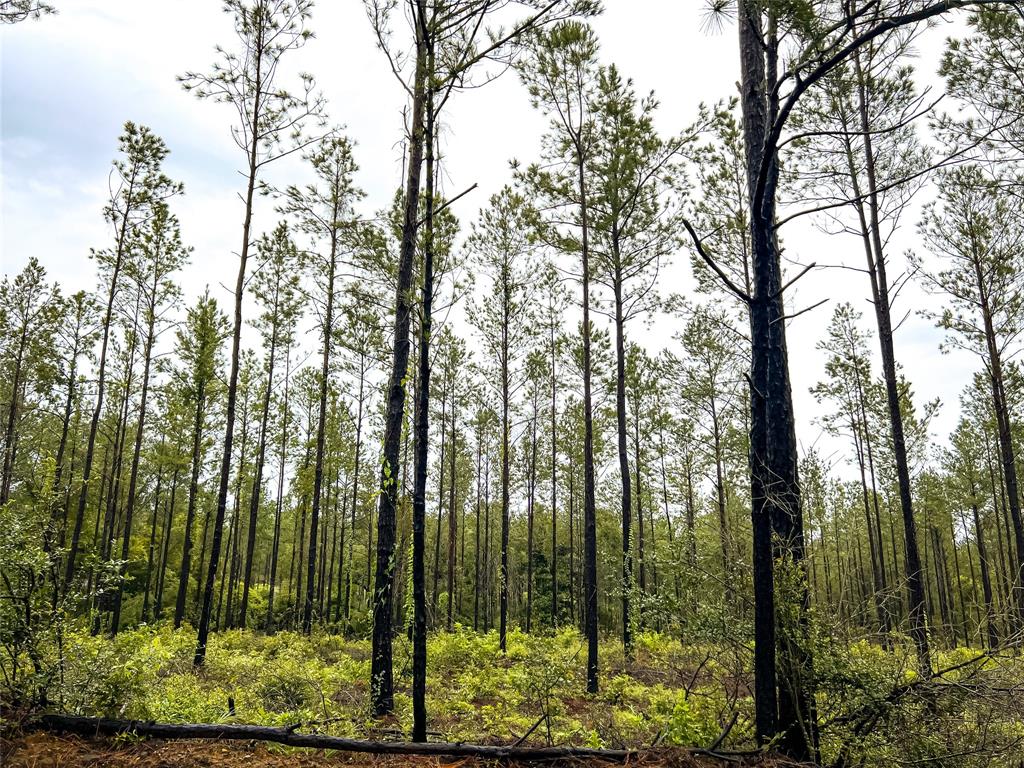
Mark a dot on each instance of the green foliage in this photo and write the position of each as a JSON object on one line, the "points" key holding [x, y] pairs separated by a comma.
{"points": [[474, 692]]}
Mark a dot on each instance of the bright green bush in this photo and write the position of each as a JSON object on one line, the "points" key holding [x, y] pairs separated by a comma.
{"points": [[666, 692]]}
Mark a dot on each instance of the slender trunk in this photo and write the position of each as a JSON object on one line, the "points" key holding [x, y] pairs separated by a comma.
{"points": [[452, 532], [960, 625], [279, 502], [505, 457], [627, 492], [942, 581], [12, 417], [529, 515], [321, 433], [992, 632], [158, 603], [115, 621], [419, 501], [99, 515], [355, 486], [724, 537], [381, 679], [151, 549], [691, 515], [257, 479], [641, 564], [1006, 446], [60, 511], [110, 521], [589, 478], [476, 531], [572, 545], [229, 429], [231, 560], [881, 300], [442, 476], [225, 578], [190, 514], [554, 482], [487, 545], [101, 371], [859, 430]]}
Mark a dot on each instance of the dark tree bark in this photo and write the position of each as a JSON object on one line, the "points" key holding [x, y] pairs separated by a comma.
{"points": [[784, 708], [17, 385], [476, 531], [279, 501], [554, 479], [1006, 447], [257, 479], [190, 513], [355, 487], [151, 549], [623, 449], [641, 563], [232, 562], [992, 633], [90, 726], [452, 524], [381, 675], [589, 478], [78, 335], [503, 573], [487, 545], [110, 520], [115, 621], [158, 602], [529, 512], [419, 499], [321, 430], [442, 476], [870, 221]]}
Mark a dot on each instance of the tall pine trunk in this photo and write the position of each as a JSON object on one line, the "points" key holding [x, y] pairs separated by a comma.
{"points": [[589, 477], [279, 501], [101, 376], [190, 513], [321, 433], [129, 510], [419, 498], [229, 427], [257, 479], [783, 708], [623, 450], [452, 524], [881, 301], [381, 674]]}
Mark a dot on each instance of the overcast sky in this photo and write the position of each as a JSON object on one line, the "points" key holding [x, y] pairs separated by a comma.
{"points": [[70, 81]]}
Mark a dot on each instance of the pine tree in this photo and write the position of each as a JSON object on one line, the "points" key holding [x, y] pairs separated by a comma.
{"points": [[276, 286], [199, 350], [560, 76], [139, 183], [978, 233], [269, 114], [324, 210], [159, 255]]}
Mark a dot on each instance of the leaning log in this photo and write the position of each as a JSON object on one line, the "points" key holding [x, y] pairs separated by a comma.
{"points": [[289, 736]]}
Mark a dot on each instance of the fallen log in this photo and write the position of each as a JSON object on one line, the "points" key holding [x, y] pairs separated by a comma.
{"points": [[98, 726]]}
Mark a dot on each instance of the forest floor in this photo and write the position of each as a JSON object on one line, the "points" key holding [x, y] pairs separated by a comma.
{"points": [[44, 750], [663, 704], [666, 695]]}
